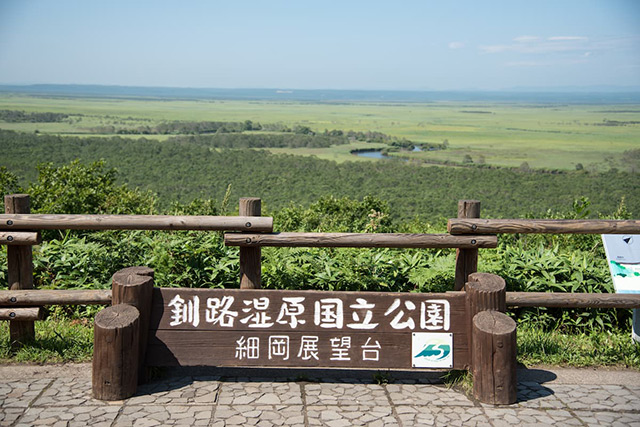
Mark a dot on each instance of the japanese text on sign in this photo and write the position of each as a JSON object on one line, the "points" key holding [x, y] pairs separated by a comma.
{"points": [[324, 313]]}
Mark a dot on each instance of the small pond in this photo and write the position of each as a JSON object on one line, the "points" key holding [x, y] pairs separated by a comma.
{"points": [[377, 154], [371, 154]]}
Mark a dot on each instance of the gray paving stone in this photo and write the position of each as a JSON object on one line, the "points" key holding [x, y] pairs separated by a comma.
{"points": [[617, 419], [260, 393], [425, 394], [178, 391], [351, 415], [70, 392], [505, 417], [161, 415], [96, 416], [430, 415], [635, 390], [534, 395], [597, 397], [21, 393], [258, 415], [9, 415], [206, 400], [345, 394]]}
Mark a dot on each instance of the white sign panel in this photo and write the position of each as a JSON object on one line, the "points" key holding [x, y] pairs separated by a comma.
{"points": [[432, 350], [623, 255]]}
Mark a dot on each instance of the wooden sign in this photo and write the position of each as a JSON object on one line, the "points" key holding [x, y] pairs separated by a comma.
{"points": [[233, 327]]}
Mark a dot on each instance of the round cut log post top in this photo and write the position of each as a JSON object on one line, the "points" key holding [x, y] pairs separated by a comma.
{"points": [[117, 316], [488, 281], [127, 274], [133, 285], [486, 292]]}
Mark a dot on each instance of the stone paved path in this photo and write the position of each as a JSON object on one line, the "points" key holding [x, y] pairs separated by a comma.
{"points": [[61, 396]]}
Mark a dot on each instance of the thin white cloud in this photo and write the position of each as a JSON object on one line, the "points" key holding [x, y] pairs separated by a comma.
{"points": [[526, 39], [537, 45], [568, 38], [551, 63], [495, 48], [456, 45], [525, 64]]}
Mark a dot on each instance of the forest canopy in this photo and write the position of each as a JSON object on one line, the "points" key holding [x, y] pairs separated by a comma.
{"points": [[180, 171]]}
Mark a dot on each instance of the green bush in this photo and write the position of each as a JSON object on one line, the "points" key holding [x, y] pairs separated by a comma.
{"points": [[76, 259]]}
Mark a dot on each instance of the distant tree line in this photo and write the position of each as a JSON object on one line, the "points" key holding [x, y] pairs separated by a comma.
{"points": [[217, 134], [606, 122], [14, 116], [178, 127], [243, 140]]}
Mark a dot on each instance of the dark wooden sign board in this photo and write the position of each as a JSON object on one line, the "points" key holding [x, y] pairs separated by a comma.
{"points": [[149, 326], [266, 328]]}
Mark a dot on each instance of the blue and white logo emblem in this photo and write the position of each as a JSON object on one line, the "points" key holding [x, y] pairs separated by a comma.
{"points": [[431, 350]]}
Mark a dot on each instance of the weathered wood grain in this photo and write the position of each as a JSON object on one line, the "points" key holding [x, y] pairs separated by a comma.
{"points": [[218, 348], [134, 222], [43, 297], [572, 300], [115, 355], [21, 314], [494, 358], [250, 258], [207, 341], [20, 270], [485, 292], [134, 286], [24, 238], [466, 258], [360, 240], [543, 226]]}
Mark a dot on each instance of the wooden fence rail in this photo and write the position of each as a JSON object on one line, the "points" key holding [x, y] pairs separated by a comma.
{"points": [[24, 314], [45, 297], [22, 238], [572, 300], [40, 297], [360, 240], [542, 226], [134, 222], [22, 305]]}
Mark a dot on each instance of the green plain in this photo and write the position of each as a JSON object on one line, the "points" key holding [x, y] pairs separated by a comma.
{"points": [[545, 136]]}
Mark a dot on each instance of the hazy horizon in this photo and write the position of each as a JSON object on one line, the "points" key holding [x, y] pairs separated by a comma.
{"points": [[560, 89], [359, 45]]}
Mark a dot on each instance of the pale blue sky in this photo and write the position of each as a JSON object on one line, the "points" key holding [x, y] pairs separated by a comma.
{"points": [[433, 45]]}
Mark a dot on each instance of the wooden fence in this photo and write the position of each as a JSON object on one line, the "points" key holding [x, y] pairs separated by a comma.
{"points": [[467, 233]]}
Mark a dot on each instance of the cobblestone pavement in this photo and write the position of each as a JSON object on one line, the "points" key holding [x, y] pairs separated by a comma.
{"points": [[194, 397]]}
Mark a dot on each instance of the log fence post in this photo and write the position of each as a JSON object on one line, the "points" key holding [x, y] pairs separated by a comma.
{"points": [[486, 292], [116, 356], [466, 259], [250, 267], [492, 340], [20, 269], [134, 286]]}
